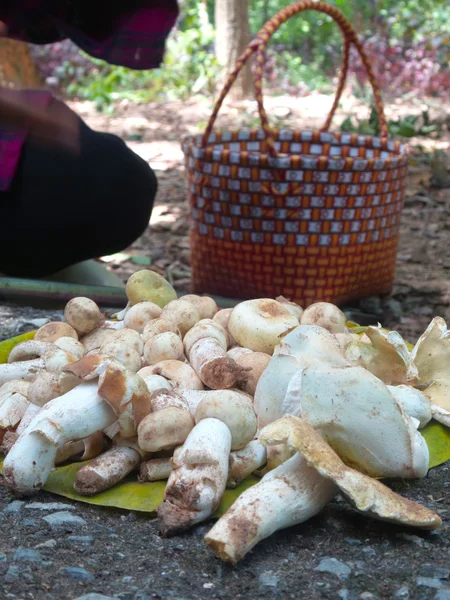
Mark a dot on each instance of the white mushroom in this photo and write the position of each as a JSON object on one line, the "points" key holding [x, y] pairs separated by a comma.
{"points": [[257, 324], [157, 326], [183, 314], [140, 314], [165, 346], [198, 478], [83, 315], [324, 315], [244, 462], [167, 425], [414, 403], [206, 306], [293, 308], [180, 374], [300, 488], [50, 332]]}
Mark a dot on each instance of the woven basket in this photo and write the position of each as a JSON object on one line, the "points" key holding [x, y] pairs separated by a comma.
{"points": [[309, 215]]}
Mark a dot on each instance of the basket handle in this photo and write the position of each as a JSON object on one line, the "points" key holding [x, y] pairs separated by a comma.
{"points": [[258, 46]]}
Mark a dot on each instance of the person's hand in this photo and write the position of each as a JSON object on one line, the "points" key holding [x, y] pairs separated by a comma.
{"points": [[56, 124]]}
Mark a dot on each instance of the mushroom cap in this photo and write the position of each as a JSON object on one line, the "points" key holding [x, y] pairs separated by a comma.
{"points": [[157, 326], [431, 354], [14, 387], [165, 346], [128, 337], [367, 495], [164, 429], [29, 349], [50, 332], [205, 305], [293, 308], [125, 355], [179, 373], [94, 339], [83, 315], [414, 402], [311, 343], [72, 346], [46, 386], [253, 365], [238, 351], [206, 328], [257, 324], [232, 408], [140, 314], [156, 382], [183, 314], [358, 416], [128, 396], [325, 315], [148, 286], [272, 387]]}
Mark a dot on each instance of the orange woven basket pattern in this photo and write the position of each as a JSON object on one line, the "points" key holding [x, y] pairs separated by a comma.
{"points": [[310, 215]]}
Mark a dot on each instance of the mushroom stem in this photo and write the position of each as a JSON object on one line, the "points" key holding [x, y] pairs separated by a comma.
{"points": [[155, 469], [24, 370], [198, 478], [106, 470], [12, 410], [76, 415], [212, 364], [244, 462], [288, 495]]}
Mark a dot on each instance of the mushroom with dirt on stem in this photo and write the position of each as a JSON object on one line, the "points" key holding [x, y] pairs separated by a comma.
{"points": [[165, 346], [118, 396], [50, 332], [206, 346], [299, 489], [225, 421]]}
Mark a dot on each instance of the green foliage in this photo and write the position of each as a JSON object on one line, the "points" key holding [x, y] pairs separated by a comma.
{"points": [[407, 127]]}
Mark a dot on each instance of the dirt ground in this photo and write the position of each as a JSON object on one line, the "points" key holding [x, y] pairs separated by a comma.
{"points": [[339, 554]]}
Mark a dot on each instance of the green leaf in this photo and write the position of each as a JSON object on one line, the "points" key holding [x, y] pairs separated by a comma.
{"points": [[437, 438], [8, 345], [140, 259]]}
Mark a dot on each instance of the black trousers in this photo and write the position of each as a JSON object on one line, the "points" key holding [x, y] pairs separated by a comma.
{"points": [[62, 209]]}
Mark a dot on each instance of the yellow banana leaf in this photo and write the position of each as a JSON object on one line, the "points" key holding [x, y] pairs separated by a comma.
{"points": [[7, 345], [146, 497]]}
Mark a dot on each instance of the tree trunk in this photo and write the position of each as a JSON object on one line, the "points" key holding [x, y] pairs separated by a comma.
{"points": [[232, 37]]}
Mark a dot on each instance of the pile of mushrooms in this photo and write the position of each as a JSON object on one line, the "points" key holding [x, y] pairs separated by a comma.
{"points": [[177, 389]]}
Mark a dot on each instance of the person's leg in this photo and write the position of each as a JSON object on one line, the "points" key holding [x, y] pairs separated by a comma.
{"points": [[62, 209]]}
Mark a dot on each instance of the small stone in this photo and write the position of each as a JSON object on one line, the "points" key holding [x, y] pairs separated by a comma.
{"points": [[94, 596], [369, 551], [3, 557], [442, 595], [334, 566], [268, 581], [141, 595], [415, 539], [209, 586], [430, 582], [14, 507], [402, 592], [352, 541], [372, 304], [49, 506], [77, 573], [29, 523], [48, 544], [127, 580], [393, 308], [12, 574], [436, 572], [367, 596], [64, 519], [84, 540], [344, 594], [27, 555]]}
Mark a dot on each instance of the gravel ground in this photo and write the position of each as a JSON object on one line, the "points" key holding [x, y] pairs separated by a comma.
{"points": [[52, 548]]}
